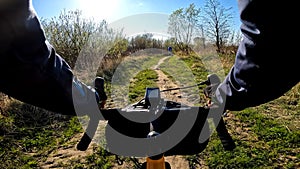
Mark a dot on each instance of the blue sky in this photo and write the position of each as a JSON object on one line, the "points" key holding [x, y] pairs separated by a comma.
{"points": [[113, 10]]}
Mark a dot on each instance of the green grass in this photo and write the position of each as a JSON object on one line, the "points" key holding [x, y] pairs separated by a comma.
{"points": [[184, 70], [141, 81], [270, 144], [100, 159], [28, 134], [269, 136], [127, 71]]}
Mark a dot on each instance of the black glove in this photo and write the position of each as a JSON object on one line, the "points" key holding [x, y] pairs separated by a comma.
{"points": [[85, 98], [213, 82], [99, 87]]}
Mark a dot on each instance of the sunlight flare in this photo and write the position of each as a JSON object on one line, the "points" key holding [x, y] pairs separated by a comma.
{"points": [[100, 9]]}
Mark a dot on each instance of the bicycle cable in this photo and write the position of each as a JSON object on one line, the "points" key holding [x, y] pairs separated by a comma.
{"points": [[186, 87]]}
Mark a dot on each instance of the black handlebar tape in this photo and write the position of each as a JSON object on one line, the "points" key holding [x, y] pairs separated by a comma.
{"points": [[224, 136], [88, 135], [222, 131]]}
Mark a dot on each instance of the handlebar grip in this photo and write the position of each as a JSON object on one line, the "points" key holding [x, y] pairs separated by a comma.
{"points": [[222, 131], [84, 142], [224, 136], [90, 131], [88, 135]]}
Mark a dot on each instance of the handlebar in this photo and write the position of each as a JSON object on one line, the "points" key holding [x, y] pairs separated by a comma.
{"points": [[189, 145], [116, 119]]}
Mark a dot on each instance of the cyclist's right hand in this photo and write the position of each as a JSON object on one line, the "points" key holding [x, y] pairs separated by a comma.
{"points": [[209, 91]]}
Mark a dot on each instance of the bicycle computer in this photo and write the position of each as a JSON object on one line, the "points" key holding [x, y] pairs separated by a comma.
{"points": [[152, 95]]}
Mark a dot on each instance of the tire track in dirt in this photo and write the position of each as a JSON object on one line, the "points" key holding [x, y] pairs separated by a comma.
{"points": [[164, 82]]}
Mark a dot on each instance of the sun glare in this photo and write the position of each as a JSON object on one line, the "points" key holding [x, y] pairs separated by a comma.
{"points": [[100, 9]]}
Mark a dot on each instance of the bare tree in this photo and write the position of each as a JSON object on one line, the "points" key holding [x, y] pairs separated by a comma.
{"points": [[183, 26], [217, 20]]}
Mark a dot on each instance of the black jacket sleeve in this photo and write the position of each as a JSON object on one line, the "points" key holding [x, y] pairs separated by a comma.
{"points": [[30, 69], [266, 64]]}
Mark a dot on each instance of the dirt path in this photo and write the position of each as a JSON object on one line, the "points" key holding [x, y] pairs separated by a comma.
{"points": [[63, 156], [164, 82], [176, 162]]}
